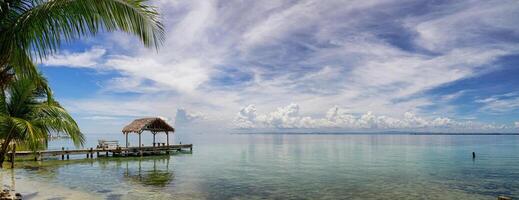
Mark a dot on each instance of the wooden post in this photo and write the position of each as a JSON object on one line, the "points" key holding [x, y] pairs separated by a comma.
{"points": [[67, 155], [62, 153], [126, 145], [167, 138], [37, 157], [126, 139], [91, 152], [153, 139], [167, 142], [12, 155], [140, 144]]}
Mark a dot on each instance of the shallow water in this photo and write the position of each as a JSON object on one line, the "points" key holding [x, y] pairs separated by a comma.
{"points": [[287, 167]]}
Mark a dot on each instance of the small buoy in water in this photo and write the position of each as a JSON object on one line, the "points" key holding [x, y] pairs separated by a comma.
{"points": [[473, 155]]}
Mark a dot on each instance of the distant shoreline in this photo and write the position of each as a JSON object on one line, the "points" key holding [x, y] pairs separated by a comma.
{"points": [[370, 133]]}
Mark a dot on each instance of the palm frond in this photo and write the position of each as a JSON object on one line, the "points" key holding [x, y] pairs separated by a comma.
{"points": [[53, 117], [28, 133], [21, 94], [42, 29]]}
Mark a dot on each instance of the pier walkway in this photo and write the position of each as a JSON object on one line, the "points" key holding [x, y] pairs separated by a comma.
{"points": [[104, 152]]}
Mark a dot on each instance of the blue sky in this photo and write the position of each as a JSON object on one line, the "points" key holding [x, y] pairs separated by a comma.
{"points": [[447, 66]]}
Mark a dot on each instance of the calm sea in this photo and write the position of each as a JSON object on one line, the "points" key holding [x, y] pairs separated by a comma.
{"points": [[275, 166]]}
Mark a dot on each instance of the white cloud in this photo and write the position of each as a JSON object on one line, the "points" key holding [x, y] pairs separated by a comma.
{"points": [[500, 103], [87, 59], [453, 96], [338, 118], [464, 23], [246, 118], [516, 124], [184, 118], [220, 55], [183, 76], [100, 118]]}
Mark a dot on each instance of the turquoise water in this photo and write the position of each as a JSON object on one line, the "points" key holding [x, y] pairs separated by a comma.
{"points": [[271, 166]]}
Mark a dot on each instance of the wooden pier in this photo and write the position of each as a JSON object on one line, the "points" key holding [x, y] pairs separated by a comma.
{"points": [[111, 148], [105, 152]]}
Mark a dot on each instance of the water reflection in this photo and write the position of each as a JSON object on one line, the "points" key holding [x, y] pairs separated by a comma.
{"points": [[159, 175], [299, 167]]}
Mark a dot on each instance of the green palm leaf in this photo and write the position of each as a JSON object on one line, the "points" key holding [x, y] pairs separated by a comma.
{"points": [[30, 115], [41, 28]]}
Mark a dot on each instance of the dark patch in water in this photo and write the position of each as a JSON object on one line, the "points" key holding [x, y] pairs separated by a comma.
{"points": [[104, 191], [32, 168], [57, 198], [30, 196], [114, 196]]}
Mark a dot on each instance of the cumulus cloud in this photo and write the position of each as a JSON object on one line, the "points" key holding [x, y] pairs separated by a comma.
{"points": [[184, 118], [338, 118], [246, 118]]}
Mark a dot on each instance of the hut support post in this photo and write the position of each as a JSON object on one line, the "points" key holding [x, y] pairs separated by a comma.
{"points": [[153, 139], [126, 139], [167, 142], [140, 144]]}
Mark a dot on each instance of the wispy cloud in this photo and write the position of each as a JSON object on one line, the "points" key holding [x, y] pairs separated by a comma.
{"points": [[360, 55], [91, 58], [500, 103]]}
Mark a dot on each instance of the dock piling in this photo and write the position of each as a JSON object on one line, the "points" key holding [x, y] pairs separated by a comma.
{"points": [[62, 153], [12, 155]]}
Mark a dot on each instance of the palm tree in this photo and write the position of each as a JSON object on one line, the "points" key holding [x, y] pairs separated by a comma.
{"points": [[36, 28], [28, 113]]}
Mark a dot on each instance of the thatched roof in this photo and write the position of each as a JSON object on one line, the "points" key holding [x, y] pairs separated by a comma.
{"points": [[153, 124]]}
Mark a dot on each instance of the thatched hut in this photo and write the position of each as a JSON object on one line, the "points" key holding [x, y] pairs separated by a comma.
{"points": [[153, 124]]}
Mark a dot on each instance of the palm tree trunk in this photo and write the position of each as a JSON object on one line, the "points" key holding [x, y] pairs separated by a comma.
{"points": [[3, 152], [3, 149]]}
